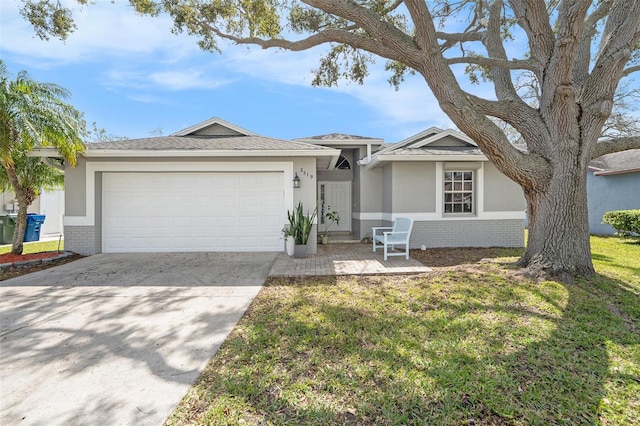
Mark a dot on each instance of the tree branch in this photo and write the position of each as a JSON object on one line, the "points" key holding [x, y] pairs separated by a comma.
{"points": [[506, 64], [533, 18], [330, 35], [502, 82], [389, 41], [590, 29], [610, 146], [630, 70], [460, 37]]}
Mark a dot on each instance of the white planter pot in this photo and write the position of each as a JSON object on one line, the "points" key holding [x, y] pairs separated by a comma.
{"points": [[290, 245]]}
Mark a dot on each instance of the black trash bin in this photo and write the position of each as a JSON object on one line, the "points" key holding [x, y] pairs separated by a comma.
{"points": [[8, 228], [34, 223]]}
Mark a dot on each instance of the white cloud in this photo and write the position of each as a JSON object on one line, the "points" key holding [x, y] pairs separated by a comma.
{"points": [[105, 30], [166, 79], [413, 106]]}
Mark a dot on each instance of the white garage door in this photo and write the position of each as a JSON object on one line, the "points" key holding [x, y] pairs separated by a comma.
{"points": [[163, 212]]}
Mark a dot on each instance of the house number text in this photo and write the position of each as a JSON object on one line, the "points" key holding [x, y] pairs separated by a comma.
{"points": [[306, 173]]}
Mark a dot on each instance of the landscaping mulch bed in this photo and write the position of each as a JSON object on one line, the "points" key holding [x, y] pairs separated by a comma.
{"points": [[12, 258], [445, 257], [16, 271]]}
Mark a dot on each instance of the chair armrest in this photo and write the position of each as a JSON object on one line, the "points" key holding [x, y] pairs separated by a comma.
{"points": [[376, 228]]}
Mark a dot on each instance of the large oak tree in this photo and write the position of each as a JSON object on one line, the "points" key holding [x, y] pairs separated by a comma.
{"points": [[576, 52]]}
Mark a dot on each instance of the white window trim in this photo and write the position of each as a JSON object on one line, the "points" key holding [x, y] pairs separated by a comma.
{"points": [[474, 195], [89, 219]]}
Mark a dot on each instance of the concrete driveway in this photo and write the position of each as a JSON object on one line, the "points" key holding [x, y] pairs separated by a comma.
{"points": [[117, 339]]}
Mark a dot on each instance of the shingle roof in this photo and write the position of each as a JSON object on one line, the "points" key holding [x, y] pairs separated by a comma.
{"points": [[184, 143], [440, 150], [336, 137], [618, 162]]}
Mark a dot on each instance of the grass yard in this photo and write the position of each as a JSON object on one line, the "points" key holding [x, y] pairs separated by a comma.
{"points": [[470, 344], [35, 247]]}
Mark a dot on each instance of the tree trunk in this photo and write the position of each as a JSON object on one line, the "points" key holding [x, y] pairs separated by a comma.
{"points": [[559, 243], [25, 197], [21, 226]]}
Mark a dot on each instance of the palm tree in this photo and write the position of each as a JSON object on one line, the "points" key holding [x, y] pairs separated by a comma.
{"points": [[33, 115]]}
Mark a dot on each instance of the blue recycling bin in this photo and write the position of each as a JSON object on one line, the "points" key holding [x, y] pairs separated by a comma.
{"points": [[34, 223]]}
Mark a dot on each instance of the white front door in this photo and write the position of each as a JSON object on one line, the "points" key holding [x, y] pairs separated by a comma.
{"points": [[334, 196]]}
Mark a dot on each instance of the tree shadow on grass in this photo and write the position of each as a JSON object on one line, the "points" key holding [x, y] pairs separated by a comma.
{"points": [[425, 352]]}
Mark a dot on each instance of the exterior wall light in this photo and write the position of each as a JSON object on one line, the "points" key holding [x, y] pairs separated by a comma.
{"points": [[296, 181]]}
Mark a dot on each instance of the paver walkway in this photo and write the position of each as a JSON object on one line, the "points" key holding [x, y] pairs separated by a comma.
{"points": [[344, 259]]}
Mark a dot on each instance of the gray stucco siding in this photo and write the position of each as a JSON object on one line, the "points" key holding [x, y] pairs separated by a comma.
{"points": [[500, 192], [387, 188], [414, 187], [369, 192], [610, 192], [75, 189]]}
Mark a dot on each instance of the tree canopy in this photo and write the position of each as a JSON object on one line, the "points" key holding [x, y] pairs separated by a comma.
{"points": [[33, 115]]}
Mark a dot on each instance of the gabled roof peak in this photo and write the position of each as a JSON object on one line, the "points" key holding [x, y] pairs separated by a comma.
{"points": [[214, 126]]}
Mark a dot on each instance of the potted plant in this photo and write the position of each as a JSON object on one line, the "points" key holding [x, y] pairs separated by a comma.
{"points": [[289, 241], [331, 217], [300, 225]]}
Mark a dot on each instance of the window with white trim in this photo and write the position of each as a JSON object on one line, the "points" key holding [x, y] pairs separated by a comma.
{"points": [[458, 191]]}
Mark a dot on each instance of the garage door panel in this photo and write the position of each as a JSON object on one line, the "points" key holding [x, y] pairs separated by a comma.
{"points": [[193, 211]]}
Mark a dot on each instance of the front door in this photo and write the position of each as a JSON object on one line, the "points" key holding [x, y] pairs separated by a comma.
{"points": [[334, 196]]}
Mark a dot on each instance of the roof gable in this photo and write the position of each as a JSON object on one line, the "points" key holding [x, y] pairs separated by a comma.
{"points": [[448, 138], [214, 127], [432, 144]]}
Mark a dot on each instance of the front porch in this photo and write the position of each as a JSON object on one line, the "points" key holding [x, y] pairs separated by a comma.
{"points": [[344, 258]]}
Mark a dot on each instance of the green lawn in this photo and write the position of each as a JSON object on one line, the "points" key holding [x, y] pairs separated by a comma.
{"points": [[35, 247], [469, 344]]}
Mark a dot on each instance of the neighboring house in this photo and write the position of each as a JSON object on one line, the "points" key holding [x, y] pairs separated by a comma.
{"points": [[49, 203], [613, 183], [217, 187]]}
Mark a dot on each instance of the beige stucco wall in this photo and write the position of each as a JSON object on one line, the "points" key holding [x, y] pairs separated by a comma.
{"points": [[500, 192]]}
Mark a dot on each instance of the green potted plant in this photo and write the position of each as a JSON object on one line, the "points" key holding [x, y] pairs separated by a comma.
{"points": [[331, 217], [300, 225]]}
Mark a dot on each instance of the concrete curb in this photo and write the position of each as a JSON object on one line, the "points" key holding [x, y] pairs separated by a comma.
{"points": [[34, 262]]}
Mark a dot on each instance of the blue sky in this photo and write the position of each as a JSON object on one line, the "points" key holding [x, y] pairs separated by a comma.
{"points": [[133, 77]]}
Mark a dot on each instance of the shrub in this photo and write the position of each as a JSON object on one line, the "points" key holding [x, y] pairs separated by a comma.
{"points": [[300, 224], [625, 222]]}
